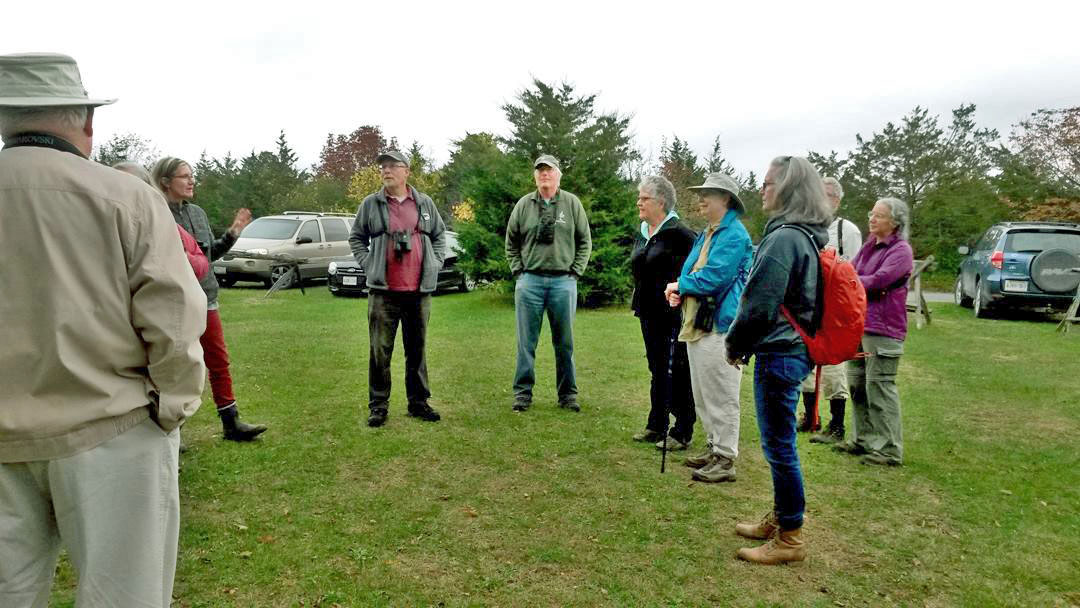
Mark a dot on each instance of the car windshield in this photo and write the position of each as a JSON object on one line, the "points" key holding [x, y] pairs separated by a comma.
{"points": [[1036, 241], [269, 228]]}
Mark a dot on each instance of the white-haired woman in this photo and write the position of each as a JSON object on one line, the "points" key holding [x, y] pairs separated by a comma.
{"points": [[177, 182], [883, 264], [786, 272], [660, 248]]}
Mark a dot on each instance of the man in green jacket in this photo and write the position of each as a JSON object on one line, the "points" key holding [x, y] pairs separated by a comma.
{"points": [[548, 245]]}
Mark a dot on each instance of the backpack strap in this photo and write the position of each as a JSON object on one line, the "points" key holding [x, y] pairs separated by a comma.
{"points": [[819, 296]]}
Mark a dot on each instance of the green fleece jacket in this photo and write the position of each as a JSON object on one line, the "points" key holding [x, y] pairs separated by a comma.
{"points": [[549, 237]]}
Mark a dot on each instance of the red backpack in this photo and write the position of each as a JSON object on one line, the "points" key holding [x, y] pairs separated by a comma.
{"points": [[843, 311]]}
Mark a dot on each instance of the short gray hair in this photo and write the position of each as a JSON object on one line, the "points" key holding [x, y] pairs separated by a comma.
{"points": [[661, 188], [835, 183], [799, 192], [134, 168], [15, 120], [901, 215]]}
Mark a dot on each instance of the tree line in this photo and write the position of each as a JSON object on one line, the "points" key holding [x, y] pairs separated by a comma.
{"points": [[958, 177]]}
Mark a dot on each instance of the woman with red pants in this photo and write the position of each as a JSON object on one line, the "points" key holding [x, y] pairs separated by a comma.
{"points": [[175, 179]]}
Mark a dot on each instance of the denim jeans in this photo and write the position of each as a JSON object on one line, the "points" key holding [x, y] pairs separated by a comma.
{"points": [[557, 295], [776, 393]]}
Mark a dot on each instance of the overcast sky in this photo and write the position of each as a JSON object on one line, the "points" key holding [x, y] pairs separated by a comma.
{"points": [[767, 77]]}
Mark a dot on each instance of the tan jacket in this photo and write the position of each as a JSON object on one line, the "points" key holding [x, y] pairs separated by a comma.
{"points": [[98, 307]]}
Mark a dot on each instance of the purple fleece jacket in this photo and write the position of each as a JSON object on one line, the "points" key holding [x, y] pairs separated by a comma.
{"points": [[880, 266]]}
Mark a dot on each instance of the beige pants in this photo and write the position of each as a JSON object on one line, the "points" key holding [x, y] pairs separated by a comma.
{"points": [[834, 383], [716, 393], [115, 508]]}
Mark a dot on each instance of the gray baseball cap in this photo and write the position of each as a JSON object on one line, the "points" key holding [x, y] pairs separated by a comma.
{"points": [[725, 183], [41, 80], [547, 159], [391, 155]]}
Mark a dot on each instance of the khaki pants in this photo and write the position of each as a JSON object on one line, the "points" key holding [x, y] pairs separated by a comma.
{"points": [[875, 399], [115, 508], [834, 383], [716, 393]]}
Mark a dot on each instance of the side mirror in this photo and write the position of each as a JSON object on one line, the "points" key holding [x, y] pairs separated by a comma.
{"points": [[963, 250], [304, 240]]}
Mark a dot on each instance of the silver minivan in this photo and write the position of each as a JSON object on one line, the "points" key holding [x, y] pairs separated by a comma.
{"points": [[317, 238]]}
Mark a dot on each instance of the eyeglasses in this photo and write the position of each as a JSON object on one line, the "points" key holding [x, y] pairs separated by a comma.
{"points": [[765, 185], [646, 198], [879, 216], [388, 166], [188, 177]]}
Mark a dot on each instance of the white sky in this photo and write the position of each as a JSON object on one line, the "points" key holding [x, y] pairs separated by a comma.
{"points": [[768, 77]]}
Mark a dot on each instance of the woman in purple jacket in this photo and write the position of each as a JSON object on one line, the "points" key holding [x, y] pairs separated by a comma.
{"points": [[884, 264]]}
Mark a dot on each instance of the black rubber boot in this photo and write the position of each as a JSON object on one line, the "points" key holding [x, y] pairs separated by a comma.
{"points": [[836, 422], [235, 430]]}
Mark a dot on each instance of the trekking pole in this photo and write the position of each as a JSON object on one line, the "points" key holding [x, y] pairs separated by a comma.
{"points": [[669, 390]]}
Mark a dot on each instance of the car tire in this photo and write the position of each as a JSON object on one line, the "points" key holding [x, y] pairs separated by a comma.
{"points": [[979, 303], [1051, 271], [226, 282], [467, 284], [276, 272], [958, 293]]}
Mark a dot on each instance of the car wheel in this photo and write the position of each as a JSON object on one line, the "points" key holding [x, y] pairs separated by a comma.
{"points": [[277, 272], [226, 282], [467, 283], [979, 304], [958, 293]]}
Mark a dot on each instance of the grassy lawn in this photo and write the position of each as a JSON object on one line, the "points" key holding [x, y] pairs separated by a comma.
{"points": [[551, 508]]}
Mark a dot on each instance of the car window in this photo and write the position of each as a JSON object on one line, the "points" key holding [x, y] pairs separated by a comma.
{"points": [[310, 230], [1036, 241], [270, 228], [335, 229]]}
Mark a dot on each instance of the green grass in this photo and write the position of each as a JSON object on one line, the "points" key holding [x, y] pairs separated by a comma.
{"points": [[551, 508]]}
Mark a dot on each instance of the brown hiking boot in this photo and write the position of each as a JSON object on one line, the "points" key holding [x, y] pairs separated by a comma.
{"points": [[700, 460], [786, 546], [761, 530]]}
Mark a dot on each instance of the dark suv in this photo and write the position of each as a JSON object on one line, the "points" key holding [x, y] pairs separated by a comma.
{"points": [[1020, 265]]}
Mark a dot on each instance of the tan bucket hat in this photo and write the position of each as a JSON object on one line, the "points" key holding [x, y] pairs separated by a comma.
{"points": [[43, 79], [726, 183]]}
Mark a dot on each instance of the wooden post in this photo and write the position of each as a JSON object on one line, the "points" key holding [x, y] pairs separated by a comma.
{"points": [[919, 307], [1070, 315]]}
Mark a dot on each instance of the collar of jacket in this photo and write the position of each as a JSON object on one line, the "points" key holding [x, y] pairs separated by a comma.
{"points": [[669, 222], [729, 218], [889, 240], [540, 199], [382, 197]]}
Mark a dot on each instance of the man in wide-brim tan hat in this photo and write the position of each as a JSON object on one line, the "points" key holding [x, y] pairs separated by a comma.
{"points": [[101, 359]]}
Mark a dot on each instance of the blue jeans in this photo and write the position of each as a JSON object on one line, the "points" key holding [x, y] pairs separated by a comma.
{"points": [[776, 393], [534, 294]]}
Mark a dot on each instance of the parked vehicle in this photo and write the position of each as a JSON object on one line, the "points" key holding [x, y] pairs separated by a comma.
{"points": [[318, 238], [1020, 265], [346, 277]]}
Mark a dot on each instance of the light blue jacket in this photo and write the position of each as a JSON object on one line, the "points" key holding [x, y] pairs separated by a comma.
{"points": [[725, 271]]}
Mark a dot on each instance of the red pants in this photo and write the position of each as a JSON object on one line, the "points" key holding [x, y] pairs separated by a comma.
{"points": [[216, 357]]}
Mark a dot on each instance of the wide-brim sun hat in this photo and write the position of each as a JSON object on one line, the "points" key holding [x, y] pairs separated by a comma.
{"points": [[30, 80], [724, 183]]}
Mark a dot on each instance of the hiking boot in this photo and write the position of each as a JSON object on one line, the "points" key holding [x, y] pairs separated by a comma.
{"points": [[377, 417], [234, 428], [673, 444], [847, 447], [786, 546], [720, 469], [423, 411], [804, 424], [832, 435], [761, 530], [881, 459], [520, 405], [700, 460], [570, 404], [648, 436]]}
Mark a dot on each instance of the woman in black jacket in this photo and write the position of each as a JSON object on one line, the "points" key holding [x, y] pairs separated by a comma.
{"points": [[786, 272], [660, 248]]}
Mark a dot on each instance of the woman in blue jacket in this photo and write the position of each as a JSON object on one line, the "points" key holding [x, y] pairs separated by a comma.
{"points": [[712, 281]]}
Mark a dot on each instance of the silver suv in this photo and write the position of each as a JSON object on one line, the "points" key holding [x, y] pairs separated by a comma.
{"points": [[312, 236]]}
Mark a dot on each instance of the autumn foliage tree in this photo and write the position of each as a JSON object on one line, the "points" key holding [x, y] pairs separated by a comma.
{"points": [[343, 156]]}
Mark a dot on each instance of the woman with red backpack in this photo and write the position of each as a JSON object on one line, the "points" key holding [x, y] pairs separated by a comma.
{"points": [[786, 273]]}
